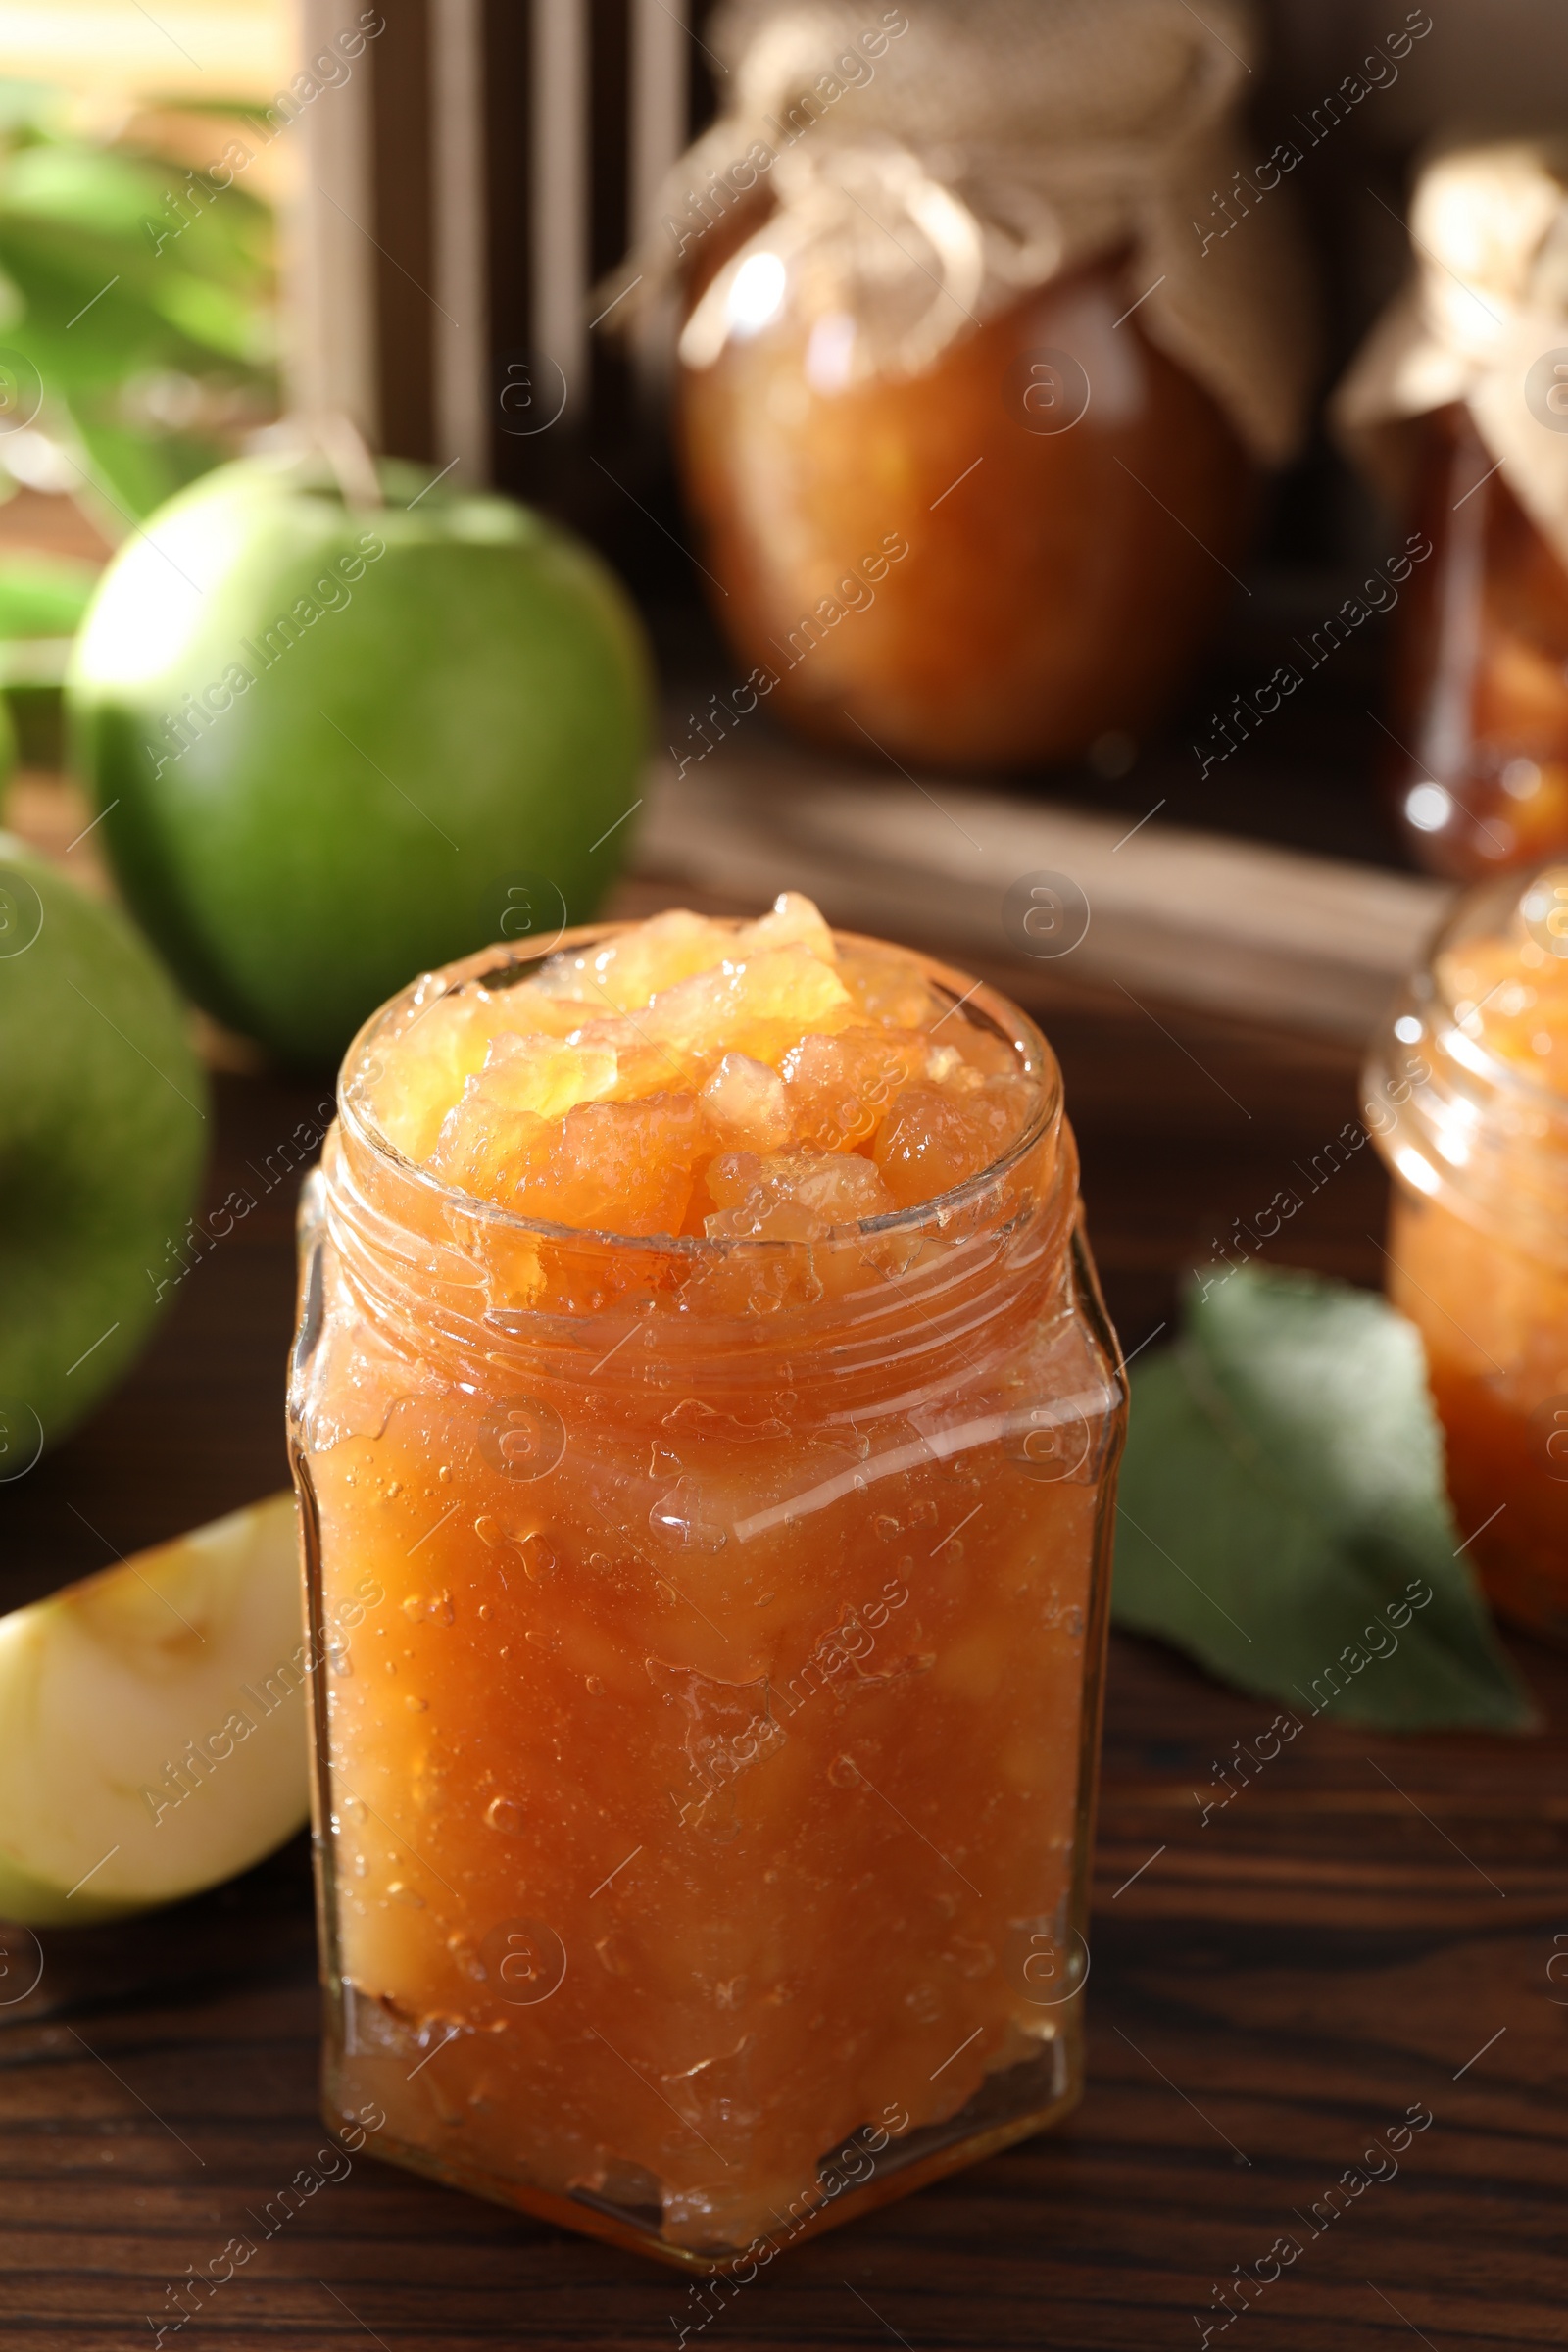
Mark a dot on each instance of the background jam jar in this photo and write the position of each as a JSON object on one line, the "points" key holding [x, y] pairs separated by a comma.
{"points": [[1478, 771], [992, 561], [1457, 406], [704, 1809], [1470, 1084], [987, 338]]}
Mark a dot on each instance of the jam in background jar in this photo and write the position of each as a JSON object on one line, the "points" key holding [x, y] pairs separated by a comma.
{"points": [[978, 370], [1467, 1098], [1457, 406], [992, 561]]}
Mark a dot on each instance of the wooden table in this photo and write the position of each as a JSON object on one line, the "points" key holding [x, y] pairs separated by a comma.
{"points": [[1370, 1928]]}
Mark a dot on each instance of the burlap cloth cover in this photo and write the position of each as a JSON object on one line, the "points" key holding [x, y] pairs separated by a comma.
{"points": [[989, 147], [1480, 322]]}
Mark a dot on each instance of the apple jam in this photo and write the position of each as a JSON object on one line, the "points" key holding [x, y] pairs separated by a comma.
{"points": [[991, 561], [1476, 1059], [699, 1348]]}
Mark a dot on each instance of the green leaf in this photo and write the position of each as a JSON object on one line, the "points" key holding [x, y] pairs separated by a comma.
{"points": [[27, 106], [134, 473], [89, 189], [1282, 1513], [117, 264], [44, 596], [209, 314]]}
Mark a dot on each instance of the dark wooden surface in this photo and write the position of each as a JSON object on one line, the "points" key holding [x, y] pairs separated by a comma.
{"points": [[1267, 1993]]}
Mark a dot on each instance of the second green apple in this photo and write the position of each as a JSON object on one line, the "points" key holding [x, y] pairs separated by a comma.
{"points": [[337, 744]]}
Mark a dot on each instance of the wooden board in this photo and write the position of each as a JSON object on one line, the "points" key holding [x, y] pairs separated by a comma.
{"points": [[1312, 944], [1369, 1927]]}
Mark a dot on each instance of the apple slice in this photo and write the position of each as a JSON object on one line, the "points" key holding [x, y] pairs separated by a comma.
{"points": [[153, 1724]]}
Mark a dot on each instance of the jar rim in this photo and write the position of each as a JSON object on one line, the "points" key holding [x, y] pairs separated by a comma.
{"points": [[1510, 1077], [1003, 1016]]}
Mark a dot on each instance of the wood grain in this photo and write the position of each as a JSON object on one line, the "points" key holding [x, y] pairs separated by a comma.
{"points": [[1266, 1991], [1203, 919]]}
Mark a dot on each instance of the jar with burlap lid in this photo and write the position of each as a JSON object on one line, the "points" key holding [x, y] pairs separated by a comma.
{"points": [[1458, 404], [977, 373]]}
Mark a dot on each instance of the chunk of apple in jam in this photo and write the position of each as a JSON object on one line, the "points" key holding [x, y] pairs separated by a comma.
{"points": [[686, 1075]]}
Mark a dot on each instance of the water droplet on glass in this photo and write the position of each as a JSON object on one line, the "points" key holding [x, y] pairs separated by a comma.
{"points": [[505, 1813], [679, 1517], [465, 1955], [537, 1556]]}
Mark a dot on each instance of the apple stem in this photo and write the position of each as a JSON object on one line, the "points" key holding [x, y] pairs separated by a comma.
{"points": [[346, 450]]}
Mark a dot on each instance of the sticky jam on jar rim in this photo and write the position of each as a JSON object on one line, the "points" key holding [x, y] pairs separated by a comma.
{"points": [[711, 1635], [1467, 1097]]}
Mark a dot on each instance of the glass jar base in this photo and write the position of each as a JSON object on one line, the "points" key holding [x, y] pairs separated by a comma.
{"points": [[1009, 2106]]}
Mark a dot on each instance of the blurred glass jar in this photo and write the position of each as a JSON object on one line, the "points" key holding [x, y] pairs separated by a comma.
{"points": [[1467, 1094], [1459, 404], [970, 422], [1479, 774], [998, 559]]}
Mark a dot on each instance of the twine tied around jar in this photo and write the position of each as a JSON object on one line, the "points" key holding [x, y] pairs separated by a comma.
{"points": [[932, 163], [1484, 322]]}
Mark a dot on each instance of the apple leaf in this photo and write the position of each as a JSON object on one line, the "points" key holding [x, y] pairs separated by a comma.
{"points": [[44, 596], [1282, 1512]]}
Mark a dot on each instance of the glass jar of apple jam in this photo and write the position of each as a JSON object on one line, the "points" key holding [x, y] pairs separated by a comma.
{"points": [[981, 363], [1458, 404], [975, 562], [1467, 1091], [699, 1341]]}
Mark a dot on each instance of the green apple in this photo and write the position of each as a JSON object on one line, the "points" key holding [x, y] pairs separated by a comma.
{"points": [[338, 744], [103, 1129], [152, 1724]]}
